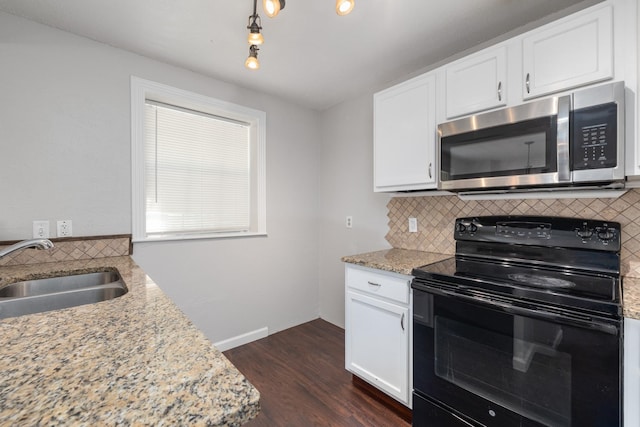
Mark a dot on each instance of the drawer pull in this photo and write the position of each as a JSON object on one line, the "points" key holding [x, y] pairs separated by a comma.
{"points": [[374, 284]]}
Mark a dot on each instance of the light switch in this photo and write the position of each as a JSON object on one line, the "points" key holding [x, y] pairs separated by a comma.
{"points": [[40, 229]]}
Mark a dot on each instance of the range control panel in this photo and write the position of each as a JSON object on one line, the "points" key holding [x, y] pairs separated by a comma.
{"points": [[524, 230], [603, 232], [540, 231]]}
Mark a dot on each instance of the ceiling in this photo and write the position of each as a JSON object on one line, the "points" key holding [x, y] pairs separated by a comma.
{"points": [[311, 56]]}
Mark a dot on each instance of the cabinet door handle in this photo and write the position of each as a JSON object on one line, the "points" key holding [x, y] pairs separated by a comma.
{"points": [[528, 83], [430, 175], [402, 321], [374, 284], [499, 91]]}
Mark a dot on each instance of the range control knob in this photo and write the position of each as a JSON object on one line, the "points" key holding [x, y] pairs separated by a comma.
{"points": [[606, 234], [473, 228], [460, 227], [585, 233]]}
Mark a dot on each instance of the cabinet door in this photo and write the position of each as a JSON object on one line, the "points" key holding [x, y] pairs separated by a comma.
{"points": [[377, 343], [631, 372], [477, 82], [405, 136], [570, 53]]}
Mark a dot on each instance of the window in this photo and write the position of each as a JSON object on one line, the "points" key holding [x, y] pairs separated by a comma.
{"points": [[198, 165]]}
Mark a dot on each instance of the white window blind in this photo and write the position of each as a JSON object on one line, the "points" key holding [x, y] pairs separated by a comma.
{"points": [[197, 172]]}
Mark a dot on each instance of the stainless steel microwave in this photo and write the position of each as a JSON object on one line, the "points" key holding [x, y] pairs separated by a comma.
{"points": [[563, 141]]}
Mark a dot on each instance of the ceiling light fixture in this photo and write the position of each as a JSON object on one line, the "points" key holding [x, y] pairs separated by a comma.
{"points": [[252, 61], [254, 27], [255, 38], [344, 7], [272, 7]]}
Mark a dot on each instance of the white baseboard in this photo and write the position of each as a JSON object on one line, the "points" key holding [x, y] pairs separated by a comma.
{"points": [[243, 339]]}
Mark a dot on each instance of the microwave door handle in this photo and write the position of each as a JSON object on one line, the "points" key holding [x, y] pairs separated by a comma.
{"points": [[562, 139]]}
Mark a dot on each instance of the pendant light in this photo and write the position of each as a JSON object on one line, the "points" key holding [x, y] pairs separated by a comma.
{"points": [[344, 7], [252, 61], [254, 27], [272, 7], [255, 37]]}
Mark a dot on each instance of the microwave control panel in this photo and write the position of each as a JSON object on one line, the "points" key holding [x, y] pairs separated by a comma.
{"points": [[595, 137]]}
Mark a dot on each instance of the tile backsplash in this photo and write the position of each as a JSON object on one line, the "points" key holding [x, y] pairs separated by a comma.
{"points": [[436, 216], [71, 250]]}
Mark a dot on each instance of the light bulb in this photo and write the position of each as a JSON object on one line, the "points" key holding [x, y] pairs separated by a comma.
{"points": [[255, 38], [344, 7], [252, 63], [271, 7]]}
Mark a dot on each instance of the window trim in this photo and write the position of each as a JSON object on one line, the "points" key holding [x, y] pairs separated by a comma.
{"points": [[143, 90]]}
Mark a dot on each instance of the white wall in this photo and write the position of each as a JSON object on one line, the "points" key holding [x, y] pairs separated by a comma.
{"points": [[346, 188], [65, 154], [64, 132]]}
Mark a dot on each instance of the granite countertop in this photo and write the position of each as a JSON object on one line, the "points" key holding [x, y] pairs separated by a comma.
{"points": [[403, 261], [631, 297], [134, 360], [395, 260]]}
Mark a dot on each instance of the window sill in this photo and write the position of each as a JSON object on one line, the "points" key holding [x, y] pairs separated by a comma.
{"points": [[211, 236]]}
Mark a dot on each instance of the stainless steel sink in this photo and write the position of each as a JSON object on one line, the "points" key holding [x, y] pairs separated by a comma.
{"points": [[54, 293]]}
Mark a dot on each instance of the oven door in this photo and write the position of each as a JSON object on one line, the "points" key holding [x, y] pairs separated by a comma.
{"points": [[501, 365], [522, 146]]}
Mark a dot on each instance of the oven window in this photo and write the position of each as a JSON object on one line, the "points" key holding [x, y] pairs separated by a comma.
{"points": [[524, 372]]}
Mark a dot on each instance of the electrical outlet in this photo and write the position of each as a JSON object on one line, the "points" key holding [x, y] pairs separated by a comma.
{"points": [[349, 221], [40, 229], [64, 228], [413, 225]]}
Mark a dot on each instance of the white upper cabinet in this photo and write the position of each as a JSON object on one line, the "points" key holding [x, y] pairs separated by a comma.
{"points": [[405, 136], [568, 53], [477, 82]]}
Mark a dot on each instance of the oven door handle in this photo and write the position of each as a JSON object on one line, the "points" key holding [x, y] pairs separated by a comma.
{"points": [[586, 323]]}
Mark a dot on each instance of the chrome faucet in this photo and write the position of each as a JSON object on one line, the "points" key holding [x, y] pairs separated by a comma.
{"points": [[35, 243]]}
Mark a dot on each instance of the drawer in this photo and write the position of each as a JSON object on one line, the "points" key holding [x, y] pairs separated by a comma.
{"points": [[377, 282], [429, 414]]}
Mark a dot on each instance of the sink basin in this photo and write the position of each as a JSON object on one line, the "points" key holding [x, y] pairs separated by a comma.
{"points": [[54, 293]]}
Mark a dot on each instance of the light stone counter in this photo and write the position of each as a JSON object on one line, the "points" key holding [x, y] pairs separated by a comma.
{"points": [[395, 260], [403, 261], [631, 297], [134, 360]]}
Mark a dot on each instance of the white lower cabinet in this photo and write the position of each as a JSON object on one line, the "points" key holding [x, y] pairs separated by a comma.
{"points": [[378, 330], [631, 372]]}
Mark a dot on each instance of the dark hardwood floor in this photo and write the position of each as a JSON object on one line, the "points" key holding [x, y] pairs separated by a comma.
{"points": [[302, 381]]}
